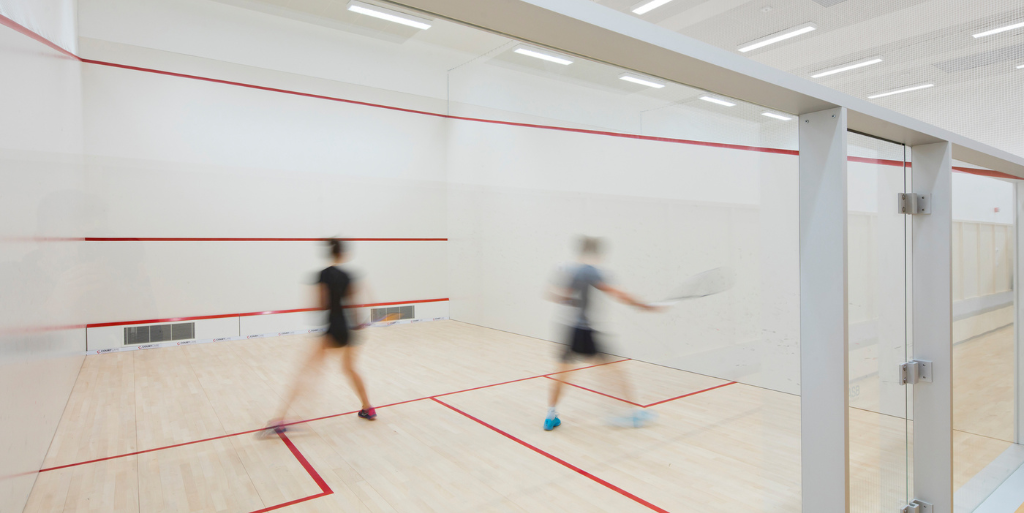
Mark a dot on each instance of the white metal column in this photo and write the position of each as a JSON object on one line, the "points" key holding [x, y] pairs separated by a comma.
{"points": [[932, 326], [824, 319]]}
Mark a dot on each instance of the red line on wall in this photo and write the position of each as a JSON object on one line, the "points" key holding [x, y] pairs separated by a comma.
{"points": [[250, 314], [554, 458], [253, 239], [985, 172], [7, 22]]}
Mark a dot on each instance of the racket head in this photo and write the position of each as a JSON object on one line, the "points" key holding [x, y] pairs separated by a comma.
{"points": [[707, 283]]}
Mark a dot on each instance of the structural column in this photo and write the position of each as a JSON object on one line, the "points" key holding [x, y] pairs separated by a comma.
{"points": [[824, 319], [932, 169], [1018, 300]]}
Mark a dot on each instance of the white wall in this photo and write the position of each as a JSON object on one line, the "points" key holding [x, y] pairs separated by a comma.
{"points": [[41, 294], [520, 196]]}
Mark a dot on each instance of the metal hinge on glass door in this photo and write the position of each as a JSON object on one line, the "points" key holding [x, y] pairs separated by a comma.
{"points": [[917, 507], [915, 371], [910, 203]]}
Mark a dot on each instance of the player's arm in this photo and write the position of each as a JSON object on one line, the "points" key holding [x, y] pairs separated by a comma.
{"points": [[622, 296]]}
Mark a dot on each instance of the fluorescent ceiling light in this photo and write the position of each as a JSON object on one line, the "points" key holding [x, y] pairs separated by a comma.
{"points": [[389, 15], [637, 79], [1021, 66], [847, 67], [647, 7], [712, 99], [780, 36], [544, 55], [1000, 29], [898, 91], [776, 116]]}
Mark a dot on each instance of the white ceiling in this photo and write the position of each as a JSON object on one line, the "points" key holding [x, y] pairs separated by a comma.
{"points": [[978, 91]]}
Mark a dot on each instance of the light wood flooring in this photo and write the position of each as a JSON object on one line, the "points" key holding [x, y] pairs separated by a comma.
{"points": [[459, 429]]}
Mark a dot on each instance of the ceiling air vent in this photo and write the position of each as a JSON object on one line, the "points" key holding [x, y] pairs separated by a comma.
{"points": [[392, 313], [159, 333]]}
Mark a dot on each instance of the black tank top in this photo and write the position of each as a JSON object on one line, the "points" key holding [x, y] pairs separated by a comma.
{"points": [[337, 282]]}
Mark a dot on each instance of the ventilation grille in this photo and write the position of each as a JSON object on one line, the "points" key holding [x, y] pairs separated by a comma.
{"points": [[159, 333], [392, 313]]}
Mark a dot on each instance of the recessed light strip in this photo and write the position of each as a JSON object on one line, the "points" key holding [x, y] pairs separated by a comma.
{"points": [[999, 30], [718, 101], [847, 67], [898, 91], [638, 79], [543, 55], [776, 116], [781, 36], [650, 6], [389, 15], [1021, 66]]}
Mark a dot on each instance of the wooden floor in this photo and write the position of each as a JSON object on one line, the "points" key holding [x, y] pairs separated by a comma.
{"points": [[459, 429]]}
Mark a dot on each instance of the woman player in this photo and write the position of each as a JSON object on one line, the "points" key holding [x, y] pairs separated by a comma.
{"points": [[335, 289]]}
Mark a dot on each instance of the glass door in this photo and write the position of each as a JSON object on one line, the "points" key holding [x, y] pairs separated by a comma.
{"points": [[878, 261]]}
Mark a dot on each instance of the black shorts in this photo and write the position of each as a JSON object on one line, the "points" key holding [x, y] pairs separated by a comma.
{"points": [[338, 334], [582, 342]]}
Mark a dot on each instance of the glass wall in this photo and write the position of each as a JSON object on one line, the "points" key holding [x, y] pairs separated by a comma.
{"points": [[880, 427], [676, 182], [984, 452]]}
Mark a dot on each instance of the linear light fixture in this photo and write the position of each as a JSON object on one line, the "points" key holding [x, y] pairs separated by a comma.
{"points": [[778, 36], [719, 101], [898, 91], [389, 15], [1000, 29], [638, 79], [1021, 66], [776, 116], [543, 55], [847, 67], [647, 7]]}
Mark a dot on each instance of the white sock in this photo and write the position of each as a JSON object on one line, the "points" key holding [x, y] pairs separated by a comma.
{"points": [[552, 413]]}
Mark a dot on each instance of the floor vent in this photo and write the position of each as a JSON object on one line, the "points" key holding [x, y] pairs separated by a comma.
{"points": [[159, 333], [392, 313]]}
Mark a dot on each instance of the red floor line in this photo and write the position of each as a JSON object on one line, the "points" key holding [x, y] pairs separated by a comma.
{"points": [[691, 393], [305, 464], [596, 392], [554, 458], [291, 503], [304, 421]]}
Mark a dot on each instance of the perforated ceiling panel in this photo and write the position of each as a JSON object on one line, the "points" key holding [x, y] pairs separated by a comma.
{"points": [[978, 88]]}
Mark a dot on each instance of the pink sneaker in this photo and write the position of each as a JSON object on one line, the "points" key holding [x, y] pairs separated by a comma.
{"points": [[368, 414]]}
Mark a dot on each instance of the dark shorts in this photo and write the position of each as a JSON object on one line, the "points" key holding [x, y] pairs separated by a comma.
{"points": [[582, 343], [338, 334]]}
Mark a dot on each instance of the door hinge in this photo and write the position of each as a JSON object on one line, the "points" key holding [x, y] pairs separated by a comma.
{"points": [[915, 371], [917, 506], [910, 203]]}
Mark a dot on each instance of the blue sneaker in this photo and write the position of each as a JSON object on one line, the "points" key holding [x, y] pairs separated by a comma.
{"points": [[550, 424]]}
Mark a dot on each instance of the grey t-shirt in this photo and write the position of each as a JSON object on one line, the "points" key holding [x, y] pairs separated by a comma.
{"points": [[582, 278]]}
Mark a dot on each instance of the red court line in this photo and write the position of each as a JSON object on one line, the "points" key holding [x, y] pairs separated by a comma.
{"points": [[315, 419], [290, 503], [596, 392], [642, 405], [251, 239], [4, 20], [691, 393], [554, 458], [305, 464], [10, 23], [250, 314]]}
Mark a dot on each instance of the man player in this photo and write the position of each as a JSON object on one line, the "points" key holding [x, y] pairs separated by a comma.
{"points": [[335, 290], [573, 287]]}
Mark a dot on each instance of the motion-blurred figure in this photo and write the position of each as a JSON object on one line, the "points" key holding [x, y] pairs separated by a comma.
{"points": [[335, 289], [572, 287]]}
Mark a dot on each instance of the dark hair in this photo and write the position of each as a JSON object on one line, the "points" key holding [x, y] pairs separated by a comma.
{"points": [[337, 247], [590, 245]]}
